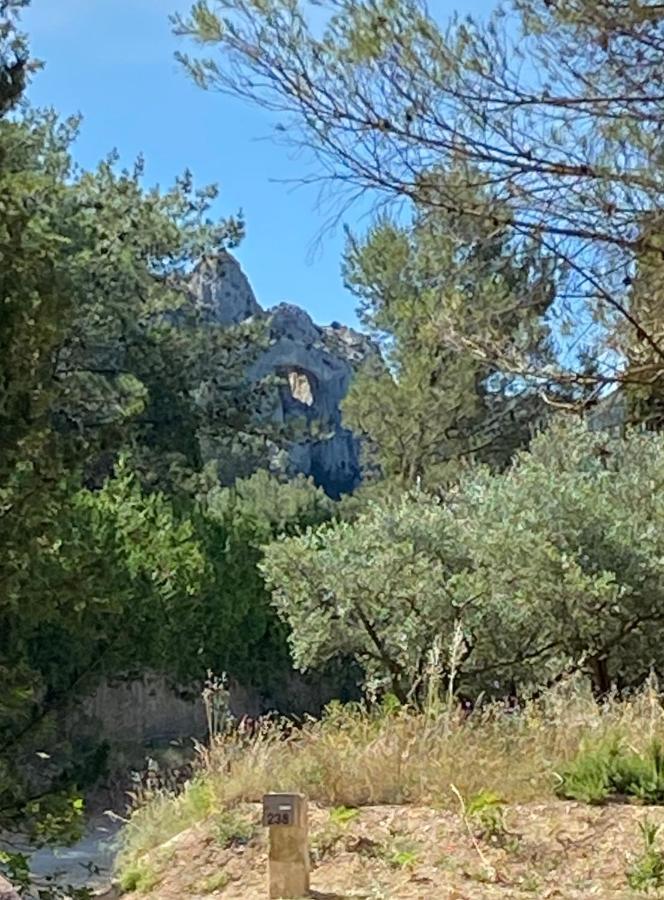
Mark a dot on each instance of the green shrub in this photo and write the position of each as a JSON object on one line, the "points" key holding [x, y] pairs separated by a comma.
{"points": [[611, 770], [231, 828], [567, 544]]}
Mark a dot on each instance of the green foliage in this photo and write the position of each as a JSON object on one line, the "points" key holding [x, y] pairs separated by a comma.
{"points": [[232, 627], [431, 408], [402, 858], [140, 877], [645, 395], [232, 828], [487, 809], [109, 385], [212, 883], [647, 870], [535, 105], [15, 63], [611, 769], [551, 567], [587, 778], [343, 815]]}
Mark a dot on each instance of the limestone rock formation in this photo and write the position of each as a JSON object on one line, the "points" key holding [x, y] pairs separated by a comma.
{"points": [[316, 365], [222, 291]]}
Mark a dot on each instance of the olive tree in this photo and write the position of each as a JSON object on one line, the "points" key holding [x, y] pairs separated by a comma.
{"points": [[556, 565]]}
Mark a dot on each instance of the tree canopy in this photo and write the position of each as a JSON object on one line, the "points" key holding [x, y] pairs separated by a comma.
{"points": [[102, 362], [519, 577], [553, 109], [433, 408]]}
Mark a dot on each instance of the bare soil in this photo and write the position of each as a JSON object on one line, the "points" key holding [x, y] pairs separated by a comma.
{"points": [[552, 850]]}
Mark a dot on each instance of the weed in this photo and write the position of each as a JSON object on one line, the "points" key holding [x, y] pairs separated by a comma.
{"points": [[586, 778], [398, 853], [487, 809], [610, 769], [231, 828], [343, 815], [484, 874], [488, 872], [141, 876], [403, 859], [324, 841], [530, 883], [647, 870]]}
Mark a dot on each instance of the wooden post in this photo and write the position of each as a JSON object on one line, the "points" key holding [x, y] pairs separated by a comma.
{"points": [[285, 816]]}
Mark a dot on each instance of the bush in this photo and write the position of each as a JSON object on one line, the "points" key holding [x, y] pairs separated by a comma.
{"points": [[554, 566], [611, 770]]}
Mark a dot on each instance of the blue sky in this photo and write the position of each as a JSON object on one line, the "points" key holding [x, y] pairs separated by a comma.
{"points": [[112, 61]]}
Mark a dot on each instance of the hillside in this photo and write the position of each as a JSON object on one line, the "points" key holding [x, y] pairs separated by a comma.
{"points": [[561, 850], [563, 799]]}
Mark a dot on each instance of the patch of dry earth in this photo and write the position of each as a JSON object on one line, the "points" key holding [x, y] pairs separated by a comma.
{"points": [[553, 850]]}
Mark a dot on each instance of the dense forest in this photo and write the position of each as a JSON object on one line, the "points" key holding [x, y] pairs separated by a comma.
{"points": [[513, 276]]}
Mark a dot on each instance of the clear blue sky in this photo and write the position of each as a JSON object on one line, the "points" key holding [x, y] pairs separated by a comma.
{"points": [[112, 61]]}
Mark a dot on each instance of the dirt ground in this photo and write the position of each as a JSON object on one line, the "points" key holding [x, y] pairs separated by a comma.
{"points": [[554, 850]]}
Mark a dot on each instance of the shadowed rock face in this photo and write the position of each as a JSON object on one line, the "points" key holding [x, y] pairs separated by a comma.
{"points": [[316, 363]]}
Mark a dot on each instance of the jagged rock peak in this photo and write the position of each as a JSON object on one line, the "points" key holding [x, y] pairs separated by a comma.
{"points": [[221, 291], [293, 323], [317, 364]]}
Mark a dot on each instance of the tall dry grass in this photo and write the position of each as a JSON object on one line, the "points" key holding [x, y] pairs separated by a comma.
{"points": [[356, 757]]}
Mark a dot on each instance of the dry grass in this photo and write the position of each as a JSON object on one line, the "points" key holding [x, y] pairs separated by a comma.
{"points": [[354, 758]]}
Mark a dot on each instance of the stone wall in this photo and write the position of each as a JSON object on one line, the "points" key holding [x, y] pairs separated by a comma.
{"points": [[142, 710], [149, 709]]}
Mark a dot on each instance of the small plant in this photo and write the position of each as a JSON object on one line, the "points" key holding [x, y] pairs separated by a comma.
{"points": [[488, 872], [325, 840], [213, 883], [231, 828], [641, 776], [399, 852], [647, 870], [141, 877], [531, 884], [403, 859], [343, 815], [487, 809]]}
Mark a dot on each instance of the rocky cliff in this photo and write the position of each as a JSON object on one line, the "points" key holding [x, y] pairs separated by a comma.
{"points": [[315, 364]]}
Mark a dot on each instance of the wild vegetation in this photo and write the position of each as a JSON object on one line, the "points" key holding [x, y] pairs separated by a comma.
{"points": [[116, 532], [490, 785], [502, 542]]}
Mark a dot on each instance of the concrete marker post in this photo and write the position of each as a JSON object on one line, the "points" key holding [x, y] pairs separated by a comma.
{"points": [[285, 816]]}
